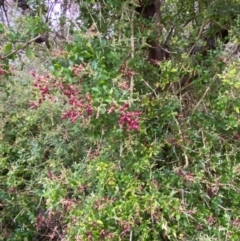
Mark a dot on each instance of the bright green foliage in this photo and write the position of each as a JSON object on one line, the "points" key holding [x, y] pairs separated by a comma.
{"points": [[103, 145]]}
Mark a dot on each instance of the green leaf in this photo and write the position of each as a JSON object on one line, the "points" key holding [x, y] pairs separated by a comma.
{"points": [[90, 49], [29, 53], [1, 28], [7, 49], [19, 46], [57, 66], [86, 54], [99, 222]]}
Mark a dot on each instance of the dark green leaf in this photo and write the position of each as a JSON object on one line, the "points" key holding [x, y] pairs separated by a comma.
{"points": [[7, 49]]}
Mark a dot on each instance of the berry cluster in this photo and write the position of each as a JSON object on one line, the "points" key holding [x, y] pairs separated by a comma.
{"points": [[43, 85], [78, 69], [79, 106], [2, 72], [129, 119]]}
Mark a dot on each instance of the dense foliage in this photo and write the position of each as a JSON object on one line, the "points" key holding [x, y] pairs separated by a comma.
{"points": [[99, 142]]}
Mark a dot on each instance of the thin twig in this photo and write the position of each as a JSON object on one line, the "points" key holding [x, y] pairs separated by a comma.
{"points": [[146, 83], [130, 239], [205, 93], [132, 54], [184, 151], [18, 50]]}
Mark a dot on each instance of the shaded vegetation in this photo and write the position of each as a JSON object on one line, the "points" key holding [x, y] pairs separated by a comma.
{"points": [[100, 140]]}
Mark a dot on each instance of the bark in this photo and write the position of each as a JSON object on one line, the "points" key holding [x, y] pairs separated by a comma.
{"points": [[151, 9]]}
